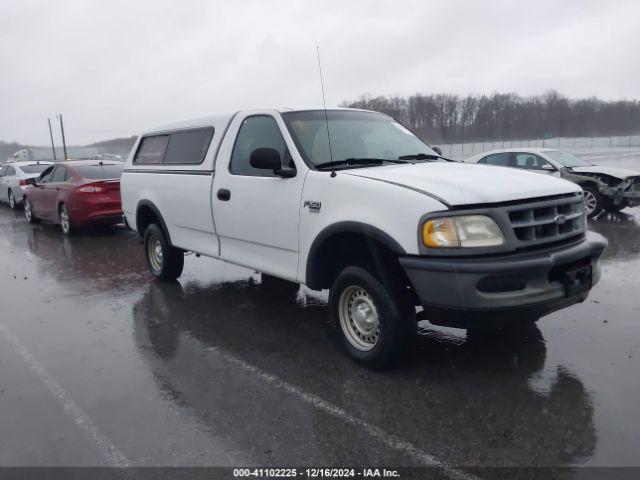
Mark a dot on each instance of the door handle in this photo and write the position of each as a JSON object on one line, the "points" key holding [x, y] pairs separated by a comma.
{"points": [[224, 194]]}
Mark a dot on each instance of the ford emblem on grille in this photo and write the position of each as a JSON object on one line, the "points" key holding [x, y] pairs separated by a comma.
{"points": [[560, 219]]}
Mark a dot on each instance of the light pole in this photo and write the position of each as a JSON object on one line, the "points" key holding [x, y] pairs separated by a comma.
{"points": [[64, 141], [53, 146]]}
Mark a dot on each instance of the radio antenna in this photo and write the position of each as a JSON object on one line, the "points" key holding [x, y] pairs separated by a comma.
{"points": [[324, 102]]}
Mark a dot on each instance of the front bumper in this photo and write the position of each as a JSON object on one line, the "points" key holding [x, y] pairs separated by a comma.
{"points": [[504, 288]]}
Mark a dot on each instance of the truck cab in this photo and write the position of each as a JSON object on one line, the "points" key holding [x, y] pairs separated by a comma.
{"points": [[351, 201]]}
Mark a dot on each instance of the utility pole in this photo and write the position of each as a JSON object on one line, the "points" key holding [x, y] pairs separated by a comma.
{"points": [[53, 147], [64, 141]]}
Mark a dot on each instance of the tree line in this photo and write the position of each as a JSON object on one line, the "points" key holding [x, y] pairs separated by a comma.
{"points": [[445, 118]]}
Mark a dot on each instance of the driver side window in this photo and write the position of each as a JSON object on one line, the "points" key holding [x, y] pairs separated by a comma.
{"points": [[260, 131], [60, 175], [501, 159], [530, 161], [45, 177]]}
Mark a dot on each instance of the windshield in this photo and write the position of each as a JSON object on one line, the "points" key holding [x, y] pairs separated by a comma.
{"points": [[100, 172], [353, 135], [33, 168], [566, 159]]}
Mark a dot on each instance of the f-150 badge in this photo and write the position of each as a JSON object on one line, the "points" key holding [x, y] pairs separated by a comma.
{"points": [[313, 206]]}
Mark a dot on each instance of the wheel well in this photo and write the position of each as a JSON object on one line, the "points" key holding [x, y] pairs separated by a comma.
{"points": [[145, 217], [147, 214], [590, 185], [343, 249]]}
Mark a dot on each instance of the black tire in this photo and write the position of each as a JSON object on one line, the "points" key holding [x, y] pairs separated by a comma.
{"points": [[65, 221], [278, 286], [395, 321], [28, 212], [12, 200], [589, 193], [168, 264]]}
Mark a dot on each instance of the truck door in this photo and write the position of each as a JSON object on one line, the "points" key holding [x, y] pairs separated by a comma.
{"points": [[255, 211]]}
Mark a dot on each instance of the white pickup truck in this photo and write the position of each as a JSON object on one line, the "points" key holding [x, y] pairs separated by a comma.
{"points": [[351, 201]]}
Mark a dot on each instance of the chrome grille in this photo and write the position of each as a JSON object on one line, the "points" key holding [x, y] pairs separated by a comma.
{"points": [[546, 221]]}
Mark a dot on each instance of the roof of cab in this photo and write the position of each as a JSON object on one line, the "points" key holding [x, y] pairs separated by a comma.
{"points": [[222, 120]]}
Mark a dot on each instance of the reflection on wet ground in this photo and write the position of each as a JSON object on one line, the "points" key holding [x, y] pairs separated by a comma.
{"points": [[212, 370]]}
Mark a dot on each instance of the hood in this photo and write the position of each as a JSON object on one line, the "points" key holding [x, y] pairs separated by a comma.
{"points": [[620, 173], [466, 184]]}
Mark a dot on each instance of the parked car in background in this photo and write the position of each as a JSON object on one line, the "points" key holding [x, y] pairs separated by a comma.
{"points": [[107, 157], [605, 188], [74, 194], [13, 180]]}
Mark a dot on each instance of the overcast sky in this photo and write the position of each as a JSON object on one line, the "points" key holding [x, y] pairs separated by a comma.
{"points": [[116, 67]]}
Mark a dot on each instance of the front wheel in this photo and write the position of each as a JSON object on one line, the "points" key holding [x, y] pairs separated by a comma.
{"points": [[65, 220], [28, 212], [374, 320], [592, 201], [12, 200], [164, 261]]}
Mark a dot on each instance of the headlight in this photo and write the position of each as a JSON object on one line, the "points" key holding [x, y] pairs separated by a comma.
{"points": [[462, 231]]}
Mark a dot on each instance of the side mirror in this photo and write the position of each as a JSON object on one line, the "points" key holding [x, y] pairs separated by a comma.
{"points": [[548, 167], [438, 150], [269, 159], [30, 181]]}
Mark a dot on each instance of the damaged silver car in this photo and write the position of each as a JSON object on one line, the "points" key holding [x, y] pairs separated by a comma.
{"points": [[605, 188]]}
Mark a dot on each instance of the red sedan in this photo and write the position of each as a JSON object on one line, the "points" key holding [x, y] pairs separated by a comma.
{"points": [[76, 193]]}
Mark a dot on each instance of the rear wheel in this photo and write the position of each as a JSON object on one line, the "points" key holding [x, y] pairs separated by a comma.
{"points": [[375, 321], [164, 261], [28, 212], [12, 201], [592, 201], [65, 220]]}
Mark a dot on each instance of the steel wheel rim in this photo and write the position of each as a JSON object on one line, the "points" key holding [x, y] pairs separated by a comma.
{"points": [[12, 200], [27, 210], [64, 220], [154, 252], [590, 202], [359, 318]]}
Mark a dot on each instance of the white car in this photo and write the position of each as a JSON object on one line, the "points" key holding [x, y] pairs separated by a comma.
{"points": [[351, 201], [605, 188], [107, 156], [13, 180]]}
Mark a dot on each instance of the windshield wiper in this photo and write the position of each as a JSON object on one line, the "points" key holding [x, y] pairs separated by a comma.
{"points": [[347, 162], [421, 156]]}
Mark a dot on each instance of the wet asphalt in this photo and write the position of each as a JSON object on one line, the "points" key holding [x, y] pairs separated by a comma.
{"points": [[100, 365]]}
